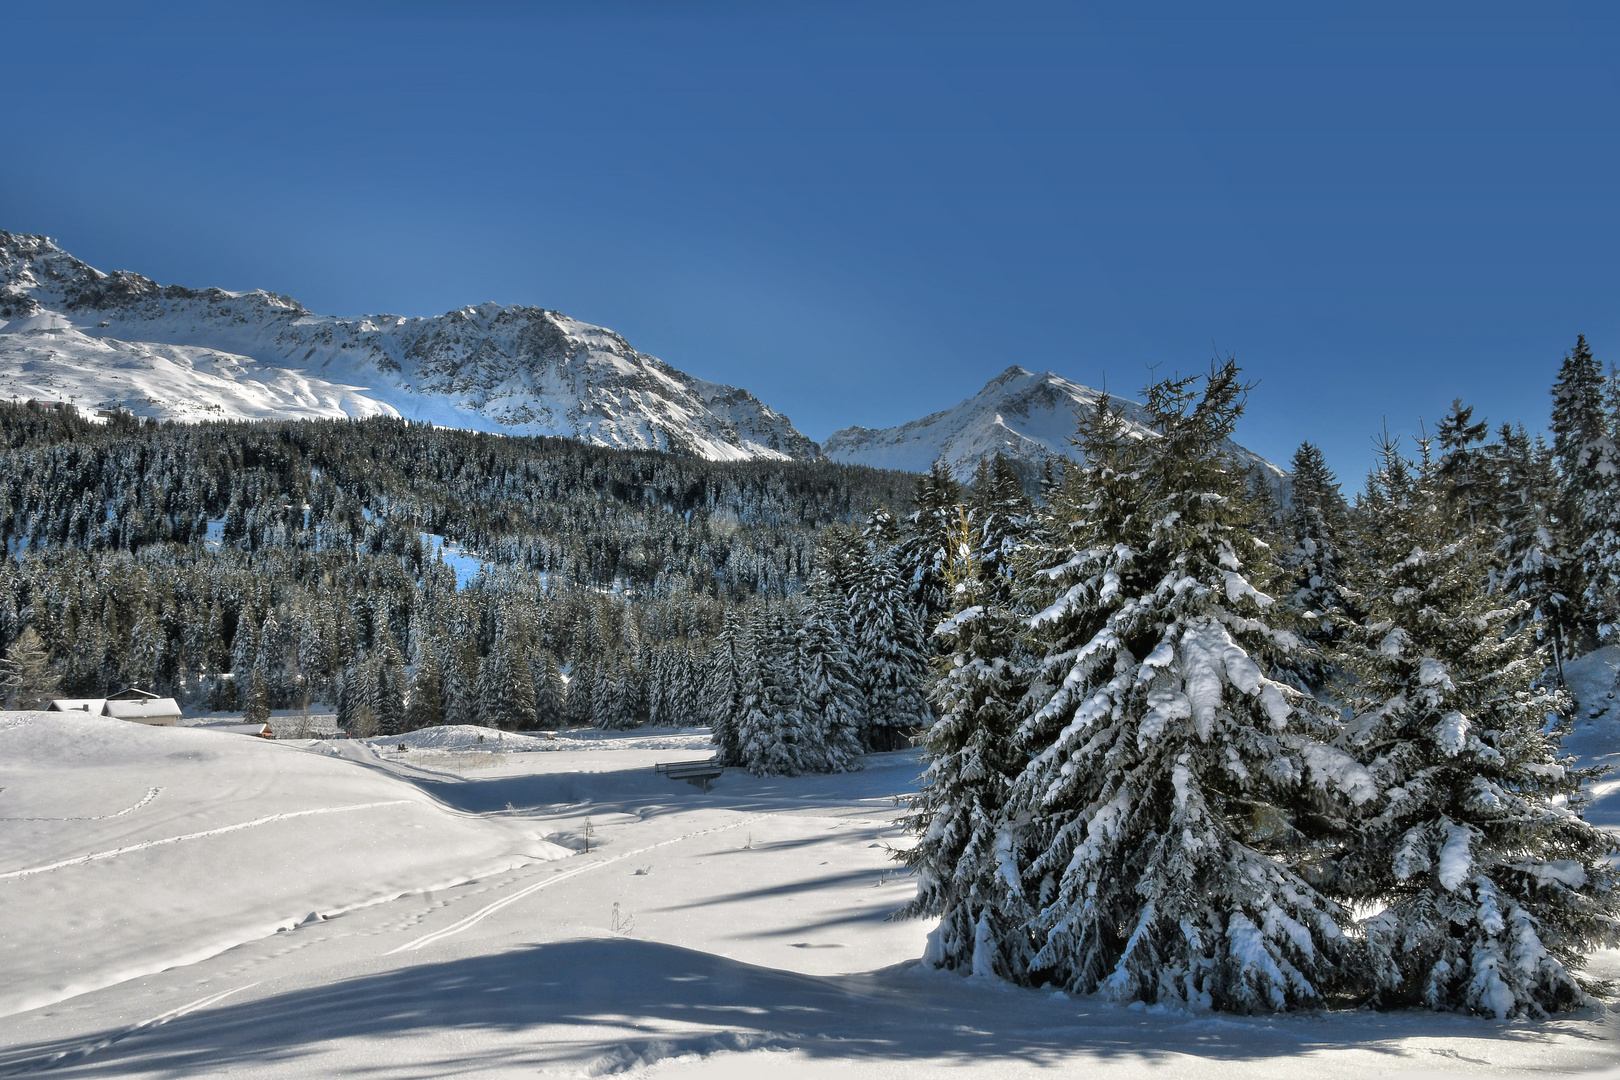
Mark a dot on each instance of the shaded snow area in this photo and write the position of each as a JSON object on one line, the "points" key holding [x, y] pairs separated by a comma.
{"points": [[1596, 739], [186, 902]]}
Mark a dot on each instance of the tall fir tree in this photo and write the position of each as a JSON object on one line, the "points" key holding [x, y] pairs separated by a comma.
{"points": [[967, 869], [1170, 777], [578, 706], [829, 696], [548, 691], [257, 710], [1583, 449], [886, 647], [1495, 887], [1318, 521], [1530, 569], [505, 688], [425, 708], [1466, 466], [726, 668], [921, 552]]}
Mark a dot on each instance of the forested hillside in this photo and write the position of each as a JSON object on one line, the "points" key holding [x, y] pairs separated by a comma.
{"points": [[206, 560]]}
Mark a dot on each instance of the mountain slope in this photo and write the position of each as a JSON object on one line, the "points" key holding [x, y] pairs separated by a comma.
{"points": [[1029, 417], [180, 353]]}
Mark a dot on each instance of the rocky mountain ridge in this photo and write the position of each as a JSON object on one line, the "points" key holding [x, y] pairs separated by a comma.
{"points": [[175, 352], [1025, 415], [71, 332]]}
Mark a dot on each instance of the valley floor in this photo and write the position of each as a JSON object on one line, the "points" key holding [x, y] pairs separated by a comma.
{"points": [[182, 902]]}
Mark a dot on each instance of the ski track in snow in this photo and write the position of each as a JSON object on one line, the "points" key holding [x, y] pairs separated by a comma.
{"points": [[84, 1050], [150, 795], [490, 909], [79, 860]]}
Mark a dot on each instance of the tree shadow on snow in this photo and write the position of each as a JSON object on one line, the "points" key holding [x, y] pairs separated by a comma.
{"points": [[609, 1004], [645, 793]]}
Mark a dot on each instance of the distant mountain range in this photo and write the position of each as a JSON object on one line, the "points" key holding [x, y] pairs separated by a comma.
{"points": [[69, 332], [1027, 416], [196, 354]]}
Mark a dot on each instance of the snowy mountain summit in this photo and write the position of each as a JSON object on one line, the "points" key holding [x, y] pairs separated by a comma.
{"points": [[1028, 417], [70, 332]]}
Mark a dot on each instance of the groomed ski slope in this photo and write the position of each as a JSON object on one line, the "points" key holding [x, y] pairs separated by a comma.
{"points": [[180, 902]]}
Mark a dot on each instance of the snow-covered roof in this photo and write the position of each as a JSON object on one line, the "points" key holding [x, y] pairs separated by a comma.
{"points": [[261, 730], [133, 693], [146, 711], [93, 706]]}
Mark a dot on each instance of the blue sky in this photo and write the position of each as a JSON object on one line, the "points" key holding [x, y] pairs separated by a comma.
{"points": [[864, 211]]}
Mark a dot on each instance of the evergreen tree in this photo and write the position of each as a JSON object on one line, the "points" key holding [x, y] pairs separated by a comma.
{"points": [[1002, 516], [727, 668], [968, 874], [26, 678], [1585, 455], [774, 737], [578, 706], [1171, 782], [1530, 568], [548, 691], [829, 697], [1465, 468], [506, 689], [1318, 520], [257, 710], [462, 703], [426, 705], [388, 695], [887, 651], [921, 552], [1494, 888], [611, 699]]}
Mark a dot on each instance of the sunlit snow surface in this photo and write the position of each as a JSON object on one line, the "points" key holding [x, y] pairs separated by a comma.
{"points": [[739, 932]]}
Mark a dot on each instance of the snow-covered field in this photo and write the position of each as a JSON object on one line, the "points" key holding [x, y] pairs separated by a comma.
{"points": [[185, 902]]}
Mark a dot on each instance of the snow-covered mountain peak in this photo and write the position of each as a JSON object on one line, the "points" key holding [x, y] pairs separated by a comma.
{"points": [[1027, 416], [509, 368]]}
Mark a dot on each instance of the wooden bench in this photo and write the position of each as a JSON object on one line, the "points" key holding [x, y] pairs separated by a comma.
{"points": [[693, 772]]}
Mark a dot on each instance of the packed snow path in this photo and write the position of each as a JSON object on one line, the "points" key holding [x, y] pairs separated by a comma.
{"points": [[433, 912]]}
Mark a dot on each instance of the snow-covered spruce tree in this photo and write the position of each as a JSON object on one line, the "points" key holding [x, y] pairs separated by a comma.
{"points": [[1495, 887], [1584, 451], [425, 707], [886, 644], [611, 704], [505, 689], [829, 696], [1314, 563], [389, 697], [257, 710], [773, 736], [1529, 569], [725, 669], [967, 872], [548, 690], [1171, 780], [461, 702], [1465, 468], [921, 553]]}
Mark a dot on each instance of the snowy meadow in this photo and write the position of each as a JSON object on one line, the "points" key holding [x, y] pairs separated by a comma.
{"points": [[180, 902]]}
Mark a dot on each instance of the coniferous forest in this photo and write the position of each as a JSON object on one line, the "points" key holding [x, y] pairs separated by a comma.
{"points": [[1198, 747], [1188, 738]]}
